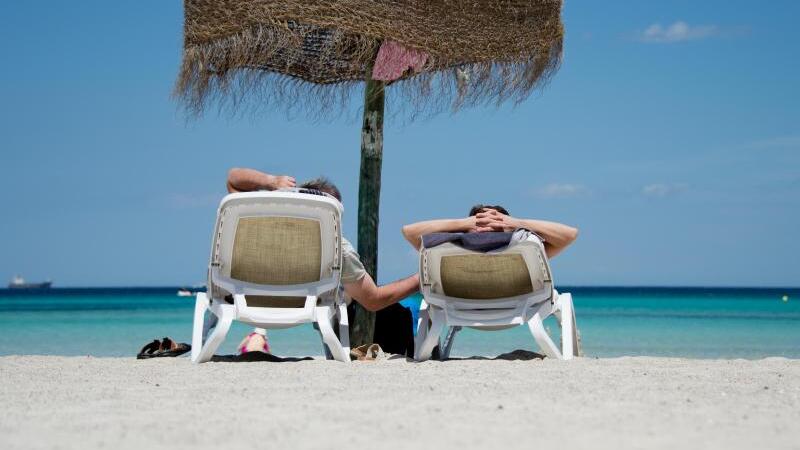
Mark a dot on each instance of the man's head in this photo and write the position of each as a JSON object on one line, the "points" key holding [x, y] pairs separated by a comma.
{"points": [[482, 208], [324, 185]]}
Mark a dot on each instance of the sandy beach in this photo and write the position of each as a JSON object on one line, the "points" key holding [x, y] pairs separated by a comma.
{"points": [[121, 403]]}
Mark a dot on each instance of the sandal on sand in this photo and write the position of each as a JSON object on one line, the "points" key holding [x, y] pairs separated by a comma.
{"points": [[149, 350], [367, 352], [166, 348], [171, 349]]}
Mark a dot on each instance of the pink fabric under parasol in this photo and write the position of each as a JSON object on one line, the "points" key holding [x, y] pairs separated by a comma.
{"points": [[394, 60]]}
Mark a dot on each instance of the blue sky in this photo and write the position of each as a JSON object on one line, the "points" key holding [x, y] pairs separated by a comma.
{"points": [[670, 137]]}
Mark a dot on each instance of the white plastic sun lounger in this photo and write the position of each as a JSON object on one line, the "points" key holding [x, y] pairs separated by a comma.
{"points": [[491, 291], [275, 254]]}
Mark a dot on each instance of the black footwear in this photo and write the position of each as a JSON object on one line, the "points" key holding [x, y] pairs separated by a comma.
{"points": [[150, 350], [166, 348], [171, 349]]}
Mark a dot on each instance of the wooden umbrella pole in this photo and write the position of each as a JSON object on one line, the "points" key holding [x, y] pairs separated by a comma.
{"points": [[369, 196]]}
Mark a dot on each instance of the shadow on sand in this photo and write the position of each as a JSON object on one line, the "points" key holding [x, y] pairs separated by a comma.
{"points": [[516, 355], [256, 357]]}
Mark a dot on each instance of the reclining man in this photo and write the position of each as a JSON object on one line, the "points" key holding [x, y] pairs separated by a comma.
{"points": [[555, 236], [483, 218], [357, 283]]}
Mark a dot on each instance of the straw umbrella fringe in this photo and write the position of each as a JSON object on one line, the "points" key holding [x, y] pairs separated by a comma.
{"points": [[310, 55], [252, 51]]}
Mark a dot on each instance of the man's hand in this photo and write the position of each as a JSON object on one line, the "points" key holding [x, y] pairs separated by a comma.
{"points": [[281, 181], [492, 220]]}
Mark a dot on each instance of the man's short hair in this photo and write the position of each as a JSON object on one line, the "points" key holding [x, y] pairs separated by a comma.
{"points": [[324, 185], [481, 208]]}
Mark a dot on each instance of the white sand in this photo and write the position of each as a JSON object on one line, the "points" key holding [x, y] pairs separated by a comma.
{"points": [[86, 403]]}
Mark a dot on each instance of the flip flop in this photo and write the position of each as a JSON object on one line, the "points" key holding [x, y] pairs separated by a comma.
{"points": [[367, 352], [150, 350], [171, 349]]}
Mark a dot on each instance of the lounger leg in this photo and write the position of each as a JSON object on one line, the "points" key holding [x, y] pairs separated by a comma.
{"points": [[225, 315], [326, 353], [570, 343], [344, 328], [542, 338], [423, 351], [423, 324], [324, 315], [200, 308], [448, 341]]}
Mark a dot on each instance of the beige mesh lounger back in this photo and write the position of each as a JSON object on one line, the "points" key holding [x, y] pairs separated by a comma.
{"points": [[275, 263], [491, 291]]}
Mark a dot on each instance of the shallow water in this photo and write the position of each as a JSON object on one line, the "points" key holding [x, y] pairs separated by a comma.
{"points": [[679, 322]]}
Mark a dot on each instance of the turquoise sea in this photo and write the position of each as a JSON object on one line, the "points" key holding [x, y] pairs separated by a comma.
{"points": [[676, 322]]}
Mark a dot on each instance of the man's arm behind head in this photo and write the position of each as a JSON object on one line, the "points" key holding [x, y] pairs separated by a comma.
{"points": [[247, 180]]}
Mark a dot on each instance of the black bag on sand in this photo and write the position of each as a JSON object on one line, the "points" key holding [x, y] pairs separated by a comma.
{"points": [[394, 329]]}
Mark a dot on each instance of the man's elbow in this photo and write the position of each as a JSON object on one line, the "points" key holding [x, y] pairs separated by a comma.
{"points": [[573, 234], [371, 304], [371, 307], [378, 299], [234, 175], [406, 230], [409, 235]]}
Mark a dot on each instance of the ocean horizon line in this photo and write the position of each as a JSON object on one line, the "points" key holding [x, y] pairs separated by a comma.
{"points": [[564, 287]]}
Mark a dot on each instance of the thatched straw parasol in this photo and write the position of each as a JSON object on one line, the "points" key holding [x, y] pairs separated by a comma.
{"points": [[310, 54]]}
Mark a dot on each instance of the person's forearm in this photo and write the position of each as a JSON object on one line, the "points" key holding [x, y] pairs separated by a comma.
{"points": [[394, 292], [246, 180], [414, 232], [374, 298], [557, 236]]}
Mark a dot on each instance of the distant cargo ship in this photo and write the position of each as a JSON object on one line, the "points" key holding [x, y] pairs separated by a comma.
{"points": [[19, 283]]}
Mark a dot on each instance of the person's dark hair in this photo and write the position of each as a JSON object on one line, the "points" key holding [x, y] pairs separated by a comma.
{"points": [[481, 208], [324, 185]]}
